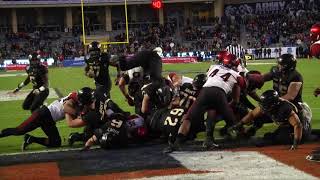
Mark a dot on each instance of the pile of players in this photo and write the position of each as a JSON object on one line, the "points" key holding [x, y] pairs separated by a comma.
{"points": [[173, 109]]}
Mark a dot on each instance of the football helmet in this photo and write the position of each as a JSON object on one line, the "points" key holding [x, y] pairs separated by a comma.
{"points": [[133, 87], [287, 62], [171, 75], [269, 100], [221, 55], [158, 50], [230, 61], [314, 33], [34, 59], [94, 50], [85, 96], [199, 80]]}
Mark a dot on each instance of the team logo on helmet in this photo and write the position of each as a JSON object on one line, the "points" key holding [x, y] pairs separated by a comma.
{"points": [[85, 96]]}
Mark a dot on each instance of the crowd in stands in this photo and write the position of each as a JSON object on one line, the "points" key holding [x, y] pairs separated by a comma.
{"points": [[285, 28], [47, 44]]}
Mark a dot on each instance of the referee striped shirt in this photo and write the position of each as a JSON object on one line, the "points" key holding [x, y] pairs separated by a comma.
{"points": [[239, 51]]}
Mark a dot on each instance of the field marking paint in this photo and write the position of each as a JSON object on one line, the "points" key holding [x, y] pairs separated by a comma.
{"points": [[7, 95], [62, 149], [12, 74], [232, 165], [259, 63]]}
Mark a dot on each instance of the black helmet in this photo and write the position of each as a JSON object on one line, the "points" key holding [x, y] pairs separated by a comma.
{"points": [[85, 96], [133, 87], [94, 46], [199, 80], [288, 62], [34, 59], [94, 50], [269, 100]]}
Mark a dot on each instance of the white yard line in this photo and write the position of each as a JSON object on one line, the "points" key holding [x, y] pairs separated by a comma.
{"points": [[62, 149], [13, 74], [7, 95]]}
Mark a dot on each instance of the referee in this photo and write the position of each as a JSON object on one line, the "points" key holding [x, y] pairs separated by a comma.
{"points": [[238, 50]]}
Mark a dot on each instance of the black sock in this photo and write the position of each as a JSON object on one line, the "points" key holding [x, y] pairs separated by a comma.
{"points": [[8, 132], [181, 138], [38, 140], [79, 137]]}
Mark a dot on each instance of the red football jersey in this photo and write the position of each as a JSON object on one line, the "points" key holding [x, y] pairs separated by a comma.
{"points": [[315, 49]]}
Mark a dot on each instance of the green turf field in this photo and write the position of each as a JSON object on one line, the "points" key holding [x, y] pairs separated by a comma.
{"points": [[70, 79]]}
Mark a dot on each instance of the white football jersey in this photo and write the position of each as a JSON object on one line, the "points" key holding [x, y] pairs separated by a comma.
{"points": [[56, 110], [223, 77], [186, 80], [56, 107]]}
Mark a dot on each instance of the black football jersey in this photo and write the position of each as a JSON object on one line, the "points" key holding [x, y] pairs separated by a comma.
{"points": [[282, 81], [281, 114], [160, 94], [113, 133], [171, 121], [37, 75], [187, 95], [101, 70]]}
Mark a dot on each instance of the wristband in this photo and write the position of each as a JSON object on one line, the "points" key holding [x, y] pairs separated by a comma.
{"points": [[42, 88]]}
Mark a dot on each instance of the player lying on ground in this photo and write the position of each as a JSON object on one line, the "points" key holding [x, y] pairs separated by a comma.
{"points": [[116, 131], [69, 108], [281, 112]]}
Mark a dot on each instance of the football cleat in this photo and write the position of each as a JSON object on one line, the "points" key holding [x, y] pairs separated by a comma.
{"points": [[26, 142], [210, 143], [72, 138], [313, 157]]}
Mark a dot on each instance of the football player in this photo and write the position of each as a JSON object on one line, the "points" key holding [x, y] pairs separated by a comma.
{"points": [[132, 75], [283, 113], [315, 40], [103, 107], [97, 67], [69, 108], [149, 60], [38, 76], [116, 131], [288, 82], [168, 120], [222, 80]]}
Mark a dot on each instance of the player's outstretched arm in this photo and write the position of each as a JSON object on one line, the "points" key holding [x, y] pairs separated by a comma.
{"points": [[21, 85], [293, 91], [295, 122]]}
